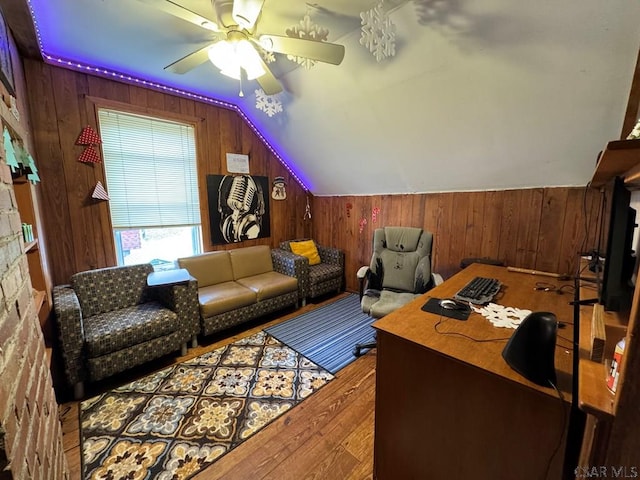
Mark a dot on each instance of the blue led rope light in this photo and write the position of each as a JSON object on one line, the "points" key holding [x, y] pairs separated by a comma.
{"points": [[128, 78]]}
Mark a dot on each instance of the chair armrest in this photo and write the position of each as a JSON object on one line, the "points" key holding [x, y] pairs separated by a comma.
{"points": [[285, 246], [331, 255], [293, 265], [437, 279], [362, 272], [68, 317], [363, 277], [181, 298]]}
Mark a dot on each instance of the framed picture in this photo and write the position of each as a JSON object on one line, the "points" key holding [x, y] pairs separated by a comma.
{"points": [[238, 208], [6, 68]]}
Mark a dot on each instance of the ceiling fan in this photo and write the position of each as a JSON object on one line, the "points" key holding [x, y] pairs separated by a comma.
{"points": [[236, 47]]}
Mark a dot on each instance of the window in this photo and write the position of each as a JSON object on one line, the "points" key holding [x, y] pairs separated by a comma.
{"points": [[151, 177]]}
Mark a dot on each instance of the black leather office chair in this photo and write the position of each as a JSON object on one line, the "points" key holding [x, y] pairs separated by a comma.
{"points": [[400, 271]]}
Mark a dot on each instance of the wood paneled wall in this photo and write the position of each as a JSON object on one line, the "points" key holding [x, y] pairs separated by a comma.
{"points": [[541, 228], [79, 235]]}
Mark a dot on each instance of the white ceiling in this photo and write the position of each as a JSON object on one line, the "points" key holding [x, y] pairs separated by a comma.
{"points": [[481, 95]]}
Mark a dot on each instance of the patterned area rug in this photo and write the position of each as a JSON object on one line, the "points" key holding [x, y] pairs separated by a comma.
{"points": [[174, 423]]}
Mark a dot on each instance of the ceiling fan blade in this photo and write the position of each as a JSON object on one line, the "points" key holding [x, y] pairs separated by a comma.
{"points": [[173, 8], [246, 12], [268, 82], [190, 61], [300, 47]]}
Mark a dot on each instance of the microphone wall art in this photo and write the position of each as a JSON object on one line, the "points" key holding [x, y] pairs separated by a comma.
{"points": [[238, 208]]}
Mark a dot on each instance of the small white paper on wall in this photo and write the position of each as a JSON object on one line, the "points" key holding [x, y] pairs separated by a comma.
{"points": [[237, 163]]}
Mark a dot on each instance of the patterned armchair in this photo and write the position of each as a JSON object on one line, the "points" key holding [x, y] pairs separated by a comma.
{"points": [[316, 280], [109, 320]]}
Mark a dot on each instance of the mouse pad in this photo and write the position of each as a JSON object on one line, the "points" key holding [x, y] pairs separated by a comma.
{"points": [[433, 306]]}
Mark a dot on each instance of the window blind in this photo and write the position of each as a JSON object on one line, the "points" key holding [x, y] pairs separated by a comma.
{"points": [[151, 171]]}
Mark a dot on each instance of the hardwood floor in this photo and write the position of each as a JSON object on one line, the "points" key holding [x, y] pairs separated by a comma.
{"points": [[328, 436]]}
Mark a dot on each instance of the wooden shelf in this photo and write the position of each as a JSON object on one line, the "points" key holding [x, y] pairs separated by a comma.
{"points": [[38, 298], [618, 157], [20, 179], [595, 398], [28, 207], [599, 328], [31, 245], [611, 438], [11, 122]]}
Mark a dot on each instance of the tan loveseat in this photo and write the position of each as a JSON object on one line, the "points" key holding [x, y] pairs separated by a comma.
{"points": [[238, 285]]}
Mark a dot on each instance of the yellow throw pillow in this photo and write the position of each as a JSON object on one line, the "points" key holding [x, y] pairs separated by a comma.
{"points": [[306, 249]]}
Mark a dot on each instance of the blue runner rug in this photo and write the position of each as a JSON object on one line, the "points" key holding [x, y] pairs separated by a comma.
{"points": [[327, 335]]}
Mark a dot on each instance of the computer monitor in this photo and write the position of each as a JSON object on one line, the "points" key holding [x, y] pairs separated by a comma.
{"points": [[616, 290]]}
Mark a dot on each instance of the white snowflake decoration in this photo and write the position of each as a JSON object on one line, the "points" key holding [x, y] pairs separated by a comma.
{"points": [[378, 33], [501, 316], [267, 56], [308, 31], [268, 104]]}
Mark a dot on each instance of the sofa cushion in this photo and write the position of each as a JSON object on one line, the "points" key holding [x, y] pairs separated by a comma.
{"points": [[224, 297], [107, 289], [209, 268], [270, 284], [306, 248], [249, 261], [112, 331], [378, 307], [323, 272]]}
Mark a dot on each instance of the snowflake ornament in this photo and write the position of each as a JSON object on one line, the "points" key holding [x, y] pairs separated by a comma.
{"points": [[308, 31], [268, 104], [378, 33], [267, 56]]}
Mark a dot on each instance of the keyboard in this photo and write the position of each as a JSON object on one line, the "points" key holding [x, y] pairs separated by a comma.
{"points": [[479, 290]]}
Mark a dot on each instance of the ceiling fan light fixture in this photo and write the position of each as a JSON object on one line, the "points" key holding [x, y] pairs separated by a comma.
{"points": [[249, 59], [231, 56], [222, 55], [238, 45], [231, 73]]}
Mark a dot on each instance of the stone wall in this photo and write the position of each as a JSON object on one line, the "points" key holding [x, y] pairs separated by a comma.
{"points": [[30, 431]]}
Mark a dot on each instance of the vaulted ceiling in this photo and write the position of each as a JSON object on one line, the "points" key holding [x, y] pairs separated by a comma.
{"points": [[480, 95]]}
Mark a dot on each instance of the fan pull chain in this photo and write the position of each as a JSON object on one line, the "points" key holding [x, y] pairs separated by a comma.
{"points": [[241, 93]]}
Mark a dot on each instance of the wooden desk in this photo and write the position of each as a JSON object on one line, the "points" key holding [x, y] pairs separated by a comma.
{"points": [[448, 407]]}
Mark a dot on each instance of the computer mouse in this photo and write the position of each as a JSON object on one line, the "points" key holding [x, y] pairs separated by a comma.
{"points": [[449, 304]]}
